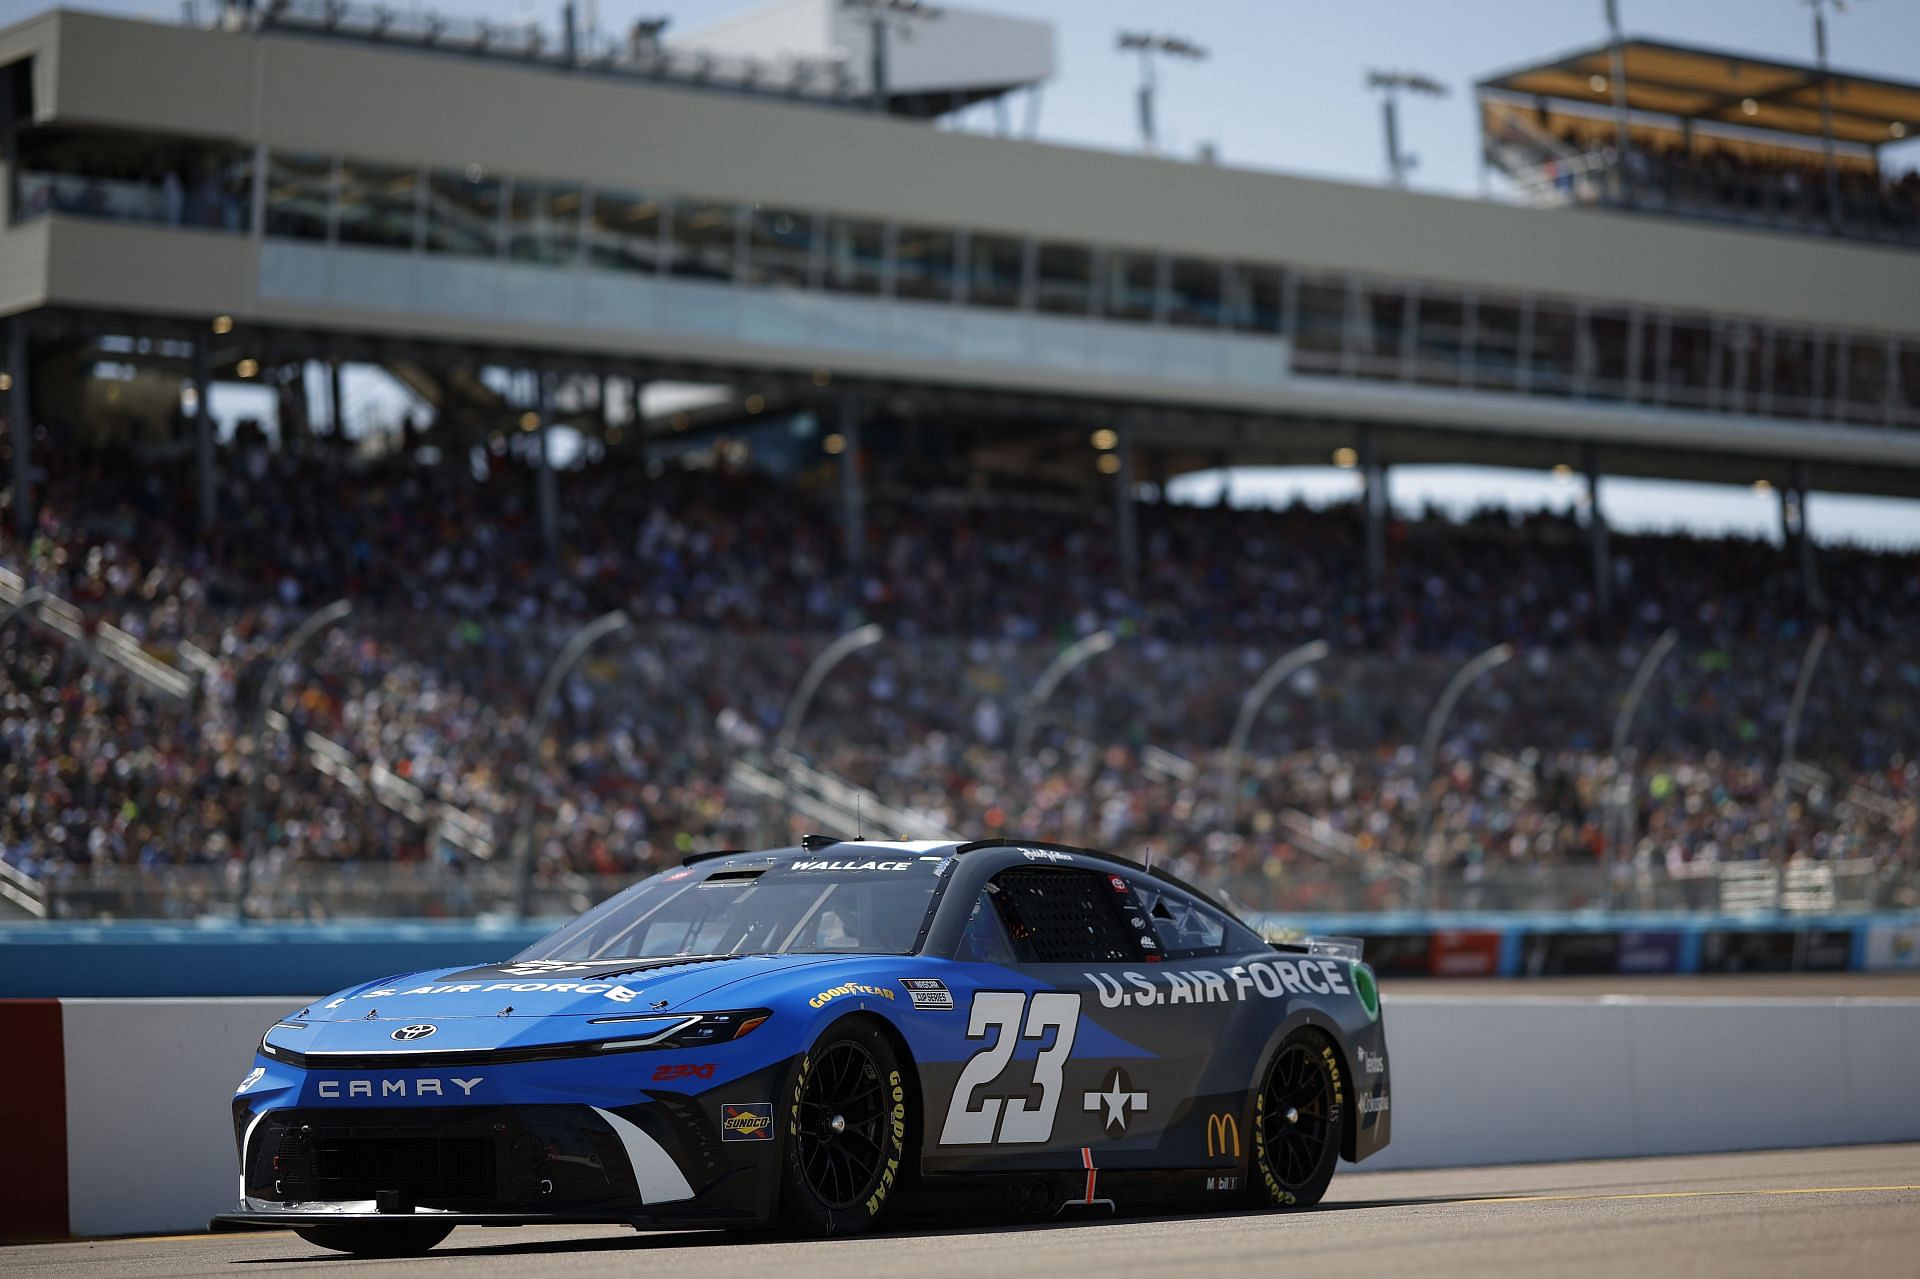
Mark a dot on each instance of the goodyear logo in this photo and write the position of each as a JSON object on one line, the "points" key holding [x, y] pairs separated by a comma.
{"points": [[752, 1121], [1223, 1135], [826, 997]]}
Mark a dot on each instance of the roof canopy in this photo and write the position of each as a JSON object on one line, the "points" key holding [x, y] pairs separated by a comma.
{"points": [[1714, 86]]}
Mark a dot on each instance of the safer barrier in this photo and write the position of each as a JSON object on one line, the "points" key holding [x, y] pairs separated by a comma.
{"points": [[219, 958], [118, 1122]]}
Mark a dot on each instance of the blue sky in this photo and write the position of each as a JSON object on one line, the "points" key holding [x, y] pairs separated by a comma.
{"points": [[1284, 89]]}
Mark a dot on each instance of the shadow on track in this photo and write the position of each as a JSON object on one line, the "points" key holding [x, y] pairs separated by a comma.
{"points": [[908, 1229]]}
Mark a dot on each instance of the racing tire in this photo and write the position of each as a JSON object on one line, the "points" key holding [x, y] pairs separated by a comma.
{"points": [[1297, 1122], [401, 1240], [845, 1137]]}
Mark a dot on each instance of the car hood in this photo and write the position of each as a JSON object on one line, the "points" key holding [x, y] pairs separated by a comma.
{"points": [[540, 988]]}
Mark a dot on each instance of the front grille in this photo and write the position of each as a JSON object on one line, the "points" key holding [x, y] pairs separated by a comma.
{"points": [[362, 1163], [467, 1157]]}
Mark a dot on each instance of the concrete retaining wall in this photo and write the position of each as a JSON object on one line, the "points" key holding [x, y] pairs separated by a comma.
{"points": [[145, 1086]]}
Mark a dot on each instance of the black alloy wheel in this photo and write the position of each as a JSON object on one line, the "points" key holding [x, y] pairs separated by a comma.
{"points": [[845, 1135], [842, 1110], [1297, 1122]]}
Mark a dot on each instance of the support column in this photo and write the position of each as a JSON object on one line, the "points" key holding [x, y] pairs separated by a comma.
{"points": [[203, 429], [636, 425], [549, 497], [1597, 535], [1373, 503], [1793, 520], [20, 409], [1124, 529], [853, 498], [336, 400]]}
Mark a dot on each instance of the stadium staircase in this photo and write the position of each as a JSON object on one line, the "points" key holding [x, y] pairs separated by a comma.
{"points": [[23, 895], [831, 805], [456, 394]]}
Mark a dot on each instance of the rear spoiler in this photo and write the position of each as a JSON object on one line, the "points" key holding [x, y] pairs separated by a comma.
{"points": [[1296, 942]]}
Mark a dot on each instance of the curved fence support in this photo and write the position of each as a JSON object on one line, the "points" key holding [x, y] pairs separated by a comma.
{"points": [[1790, 733], [802, 697], [308, 630], [1256, 697], [1463, 679], [569, 657], [1074, 655], [1618, 832]]}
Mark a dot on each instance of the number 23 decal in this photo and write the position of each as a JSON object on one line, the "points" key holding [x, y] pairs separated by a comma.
{"points": [[1012, 1120]]}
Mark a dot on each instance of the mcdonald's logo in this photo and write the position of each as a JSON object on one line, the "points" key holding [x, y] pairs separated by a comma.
{"points": [[1223, 1135]]}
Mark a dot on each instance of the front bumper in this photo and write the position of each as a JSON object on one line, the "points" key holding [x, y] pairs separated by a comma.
{"points": [[488, 1159], [333, 1215]]}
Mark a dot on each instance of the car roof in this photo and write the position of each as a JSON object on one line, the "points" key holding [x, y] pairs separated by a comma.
{"points": [[813, 845]]}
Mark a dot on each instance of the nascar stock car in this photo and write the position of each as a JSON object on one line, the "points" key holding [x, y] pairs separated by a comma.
{"points": [[811, 1037]]}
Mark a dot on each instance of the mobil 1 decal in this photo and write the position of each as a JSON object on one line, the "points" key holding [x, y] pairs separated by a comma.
{"points": [[993, 1102], [1236, 983]]}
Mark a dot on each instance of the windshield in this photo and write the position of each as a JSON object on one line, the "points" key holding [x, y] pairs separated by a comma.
{"points": [[797, 908]]}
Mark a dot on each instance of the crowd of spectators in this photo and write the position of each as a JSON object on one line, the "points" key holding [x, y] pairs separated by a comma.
{"points": [[736, 579], [1774, 185]]}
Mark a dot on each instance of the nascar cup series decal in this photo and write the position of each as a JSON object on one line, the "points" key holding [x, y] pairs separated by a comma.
{"points": [[928, 992]]}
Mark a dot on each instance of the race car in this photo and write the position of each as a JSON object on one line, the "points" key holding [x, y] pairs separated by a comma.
{"points": [[814, 1038]]}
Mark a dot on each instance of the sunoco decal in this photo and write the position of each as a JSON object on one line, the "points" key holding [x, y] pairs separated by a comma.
{"points": [[750, 1121]]}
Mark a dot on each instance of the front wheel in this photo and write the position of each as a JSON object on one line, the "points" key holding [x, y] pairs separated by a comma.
{"points": [[403, 1239], [846, 1132], [1296, 1122]]}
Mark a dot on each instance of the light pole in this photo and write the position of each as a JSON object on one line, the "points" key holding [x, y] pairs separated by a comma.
{"points": [[1498, 655], [1147, 44], [1075, 654], [802, 697], [1826, 105], [1622, 137], [879, 15], [318, 621], [1390, 84], [1790, 734], [1621, 812], [569, 656], [1250, 705]]}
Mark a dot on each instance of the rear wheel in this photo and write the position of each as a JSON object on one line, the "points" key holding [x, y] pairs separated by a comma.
{"points": [[846, 1127], [405, 1239], [1296, 1122]]}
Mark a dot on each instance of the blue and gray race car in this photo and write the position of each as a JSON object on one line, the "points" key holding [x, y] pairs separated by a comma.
{"points": [[815, 1038]]}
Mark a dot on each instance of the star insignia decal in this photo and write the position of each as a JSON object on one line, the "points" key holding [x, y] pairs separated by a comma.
{"points": [[1116, 1101]]}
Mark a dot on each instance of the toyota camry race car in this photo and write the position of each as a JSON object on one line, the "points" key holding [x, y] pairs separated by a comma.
{"points": [[814, 1037]]}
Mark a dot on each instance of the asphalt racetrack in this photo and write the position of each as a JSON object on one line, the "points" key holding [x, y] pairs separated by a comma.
{"points": [[1852, 1210]]}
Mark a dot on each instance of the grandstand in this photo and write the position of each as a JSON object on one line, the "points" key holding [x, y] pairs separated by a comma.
{"points": [[952, 377]]}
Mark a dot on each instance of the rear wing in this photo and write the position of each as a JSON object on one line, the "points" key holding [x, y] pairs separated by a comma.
{"points": [[1297, 942]]}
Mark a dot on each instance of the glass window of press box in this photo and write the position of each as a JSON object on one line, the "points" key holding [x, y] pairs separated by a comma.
{"points": [[130, 177], [624, 230], [1339, 323], [376, 205], [856, 255], [705, 236], [463, 212], [780, 247], [543, 222]]}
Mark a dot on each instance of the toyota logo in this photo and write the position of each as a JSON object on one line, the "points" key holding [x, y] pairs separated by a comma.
{"points": [[414, 1032]]}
